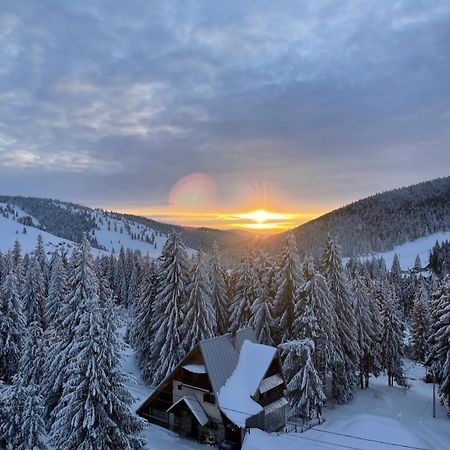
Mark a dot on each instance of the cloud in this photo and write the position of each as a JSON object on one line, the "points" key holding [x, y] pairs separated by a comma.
{"points": [[351, 95]]}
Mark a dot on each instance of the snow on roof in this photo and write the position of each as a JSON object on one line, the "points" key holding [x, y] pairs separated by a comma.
{"points": [[270, 382], [277, 404], [235, 397], [195, 368], [195, 407]]}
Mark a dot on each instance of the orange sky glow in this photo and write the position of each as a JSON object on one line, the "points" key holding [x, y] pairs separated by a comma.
{"points": [[194, 201]]}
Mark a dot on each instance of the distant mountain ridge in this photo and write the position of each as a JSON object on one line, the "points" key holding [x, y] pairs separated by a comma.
{"points": [[108, 230], [379, 222], [372, 225]]}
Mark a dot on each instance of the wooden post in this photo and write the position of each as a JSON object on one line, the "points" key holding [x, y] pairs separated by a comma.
{"points": [[434, 393]]}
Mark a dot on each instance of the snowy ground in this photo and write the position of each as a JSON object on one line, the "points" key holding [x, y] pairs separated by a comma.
{"points": [[408, 251], [391, 414], [382, 413]]}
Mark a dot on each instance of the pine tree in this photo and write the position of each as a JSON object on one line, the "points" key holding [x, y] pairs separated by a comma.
{"points": [[33, 357], [288, 281], [263, 308], [304, 388], [169, 305], [12, 327], [344, 373], [420, 322], [199, 315], [366, 330], [219, 295], [245, 294], [418, 264], [439, 341], [82, 289], [56, 289], [315, 320], [93, 412], [392, 339], [40, 255], [140, 335], [34, 293]]}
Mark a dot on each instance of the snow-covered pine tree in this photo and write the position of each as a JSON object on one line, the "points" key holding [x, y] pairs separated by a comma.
{"points": [[367, 335], [32, 426], [56, 289], [245, 293], [33, 357], [396, 271], [40, 255], [199, 315], [420, 322], [12, 327], [316, 320], [169, 306], [219, 294], [263, 307], [140, 334], [418, 264], [439, 341], [33, 293], [82, 289], [94, 409], [345, 373], [289, 279], [391, 343], [304, 387], [120, 278], [22, 427]]}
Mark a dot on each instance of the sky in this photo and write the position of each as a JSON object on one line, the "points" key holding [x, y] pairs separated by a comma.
{"points": [[199, 112]]}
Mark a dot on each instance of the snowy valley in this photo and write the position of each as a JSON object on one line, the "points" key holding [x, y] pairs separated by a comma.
{"points": [[149, 343]]}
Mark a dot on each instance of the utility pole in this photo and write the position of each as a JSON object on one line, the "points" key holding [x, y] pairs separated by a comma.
{"points": [[434, 393]]}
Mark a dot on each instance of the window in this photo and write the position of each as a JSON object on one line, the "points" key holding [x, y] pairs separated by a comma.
{"points": [[209, 398]]}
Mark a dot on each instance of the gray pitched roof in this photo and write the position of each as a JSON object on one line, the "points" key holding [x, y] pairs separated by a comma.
{"points": [[221, 355]]}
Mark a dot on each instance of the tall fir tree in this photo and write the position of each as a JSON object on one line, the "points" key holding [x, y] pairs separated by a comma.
{"points": [[82, 289], [141, 334], [439, 341], [345, 373], [420, 322], [94, 409], [56, 289], [33, 295], [12, 327], [219, 294], [304, 387], [245, 293], [170, 302], [366, 323], [315, 320], [392, 351], [288, 281], [199, 314], [263, 307]]}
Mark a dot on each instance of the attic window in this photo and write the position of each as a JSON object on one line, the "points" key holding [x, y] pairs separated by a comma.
{"points": [[209, 398]]}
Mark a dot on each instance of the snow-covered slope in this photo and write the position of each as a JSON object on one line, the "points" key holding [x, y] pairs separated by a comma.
{"points": [[11, 229], [109, 231], [408, 251]]}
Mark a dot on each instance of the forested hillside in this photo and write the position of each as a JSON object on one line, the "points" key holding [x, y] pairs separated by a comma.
{"points": [[69, 221], [378, 223]]}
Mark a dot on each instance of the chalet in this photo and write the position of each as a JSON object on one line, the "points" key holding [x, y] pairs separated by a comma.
{"points": [[222, 387]]}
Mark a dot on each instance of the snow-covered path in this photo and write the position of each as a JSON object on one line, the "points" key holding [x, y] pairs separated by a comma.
{"points": [[382, 413]]}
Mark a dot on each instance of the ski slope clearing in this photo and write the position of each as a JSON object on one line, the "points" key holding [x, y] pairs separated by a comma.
{"points": [[394, 415], [10, 230], [408, 251]]}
